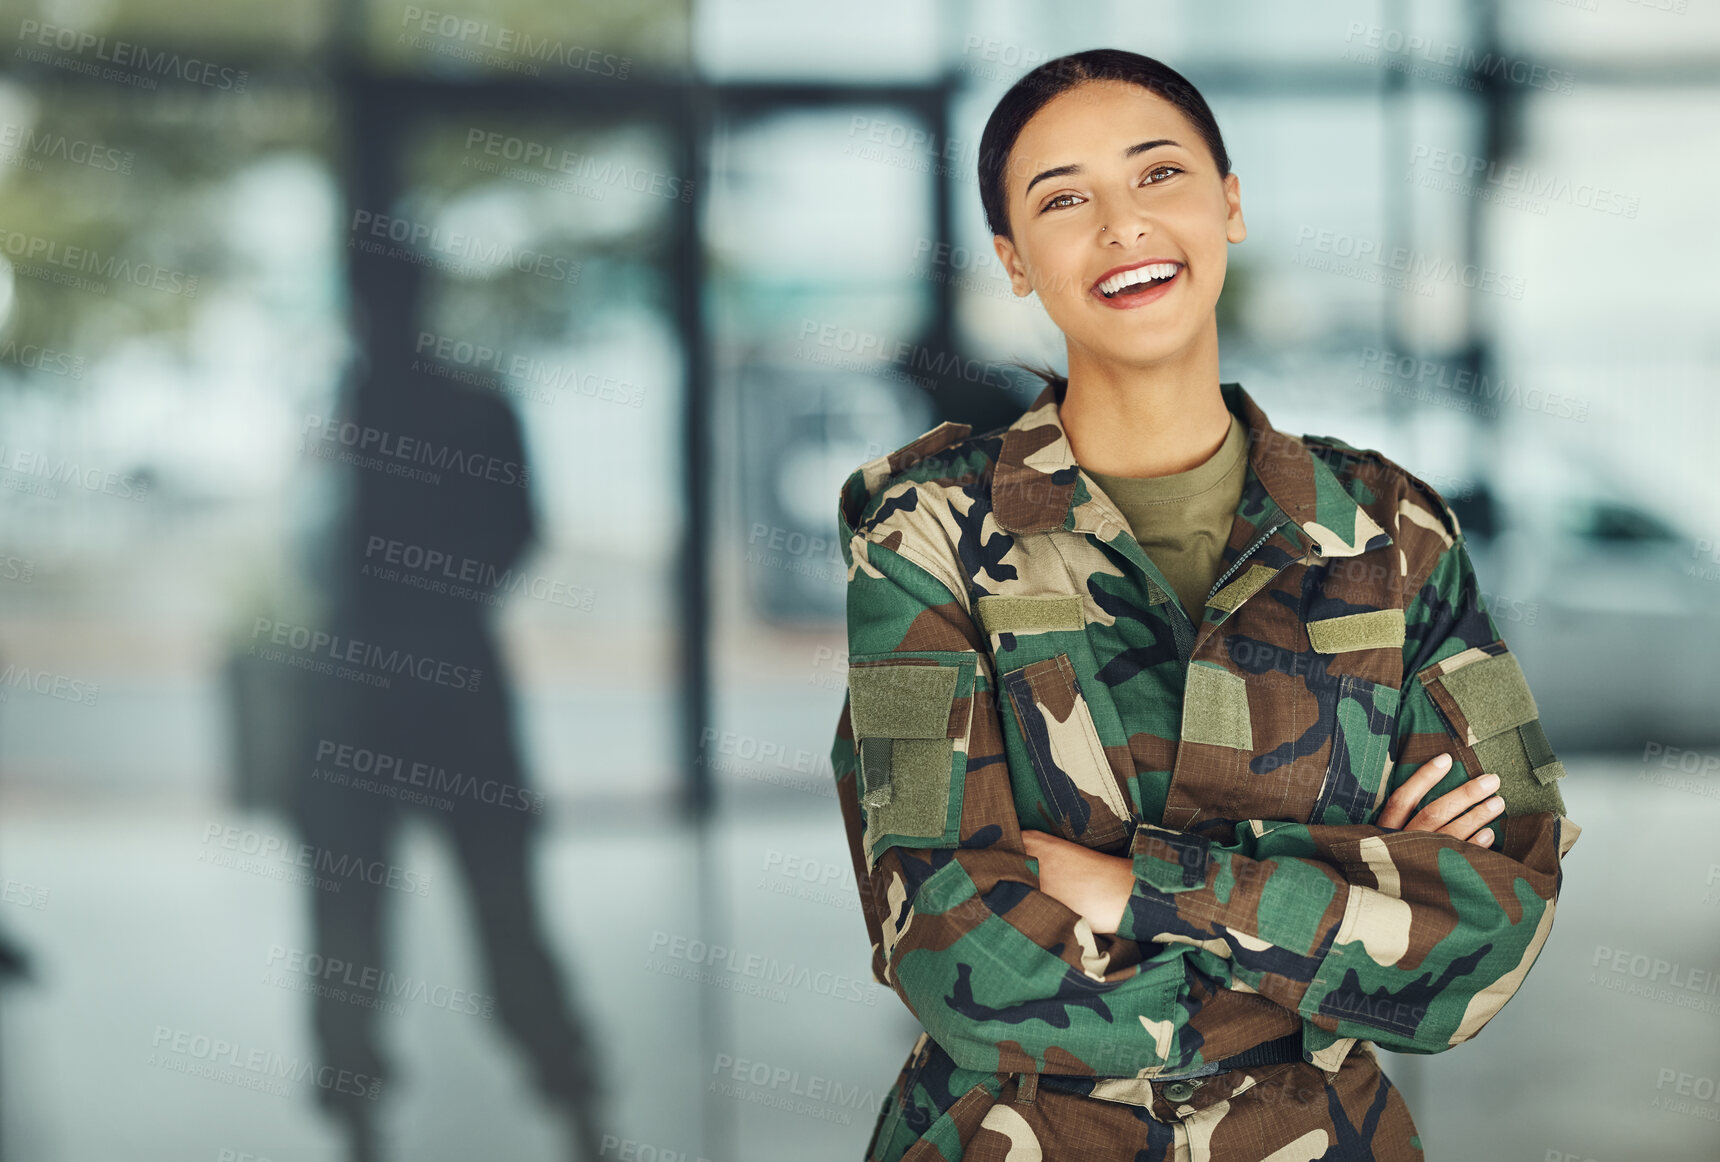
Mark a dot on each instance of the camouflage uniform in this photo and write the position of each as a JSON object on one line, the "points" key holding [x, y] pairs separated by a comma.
{"points": [[1016, 661]]}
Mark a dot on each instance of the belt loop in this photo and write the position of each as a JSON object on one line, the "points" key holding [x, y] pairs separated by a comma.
{"points": [[1026, 1088]]}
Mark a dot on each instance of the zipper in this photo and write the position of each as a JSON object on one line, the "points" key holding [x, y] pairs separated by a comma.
{"points": [[1181, 628], [1243, 556]]}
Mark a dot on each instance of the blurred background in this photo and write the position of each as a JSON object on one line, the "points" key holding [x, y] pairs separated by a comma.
{"points": [[420, 620]]}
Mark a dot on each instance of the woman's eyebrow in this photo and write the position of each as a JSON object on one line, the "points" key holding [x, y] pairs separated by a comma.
{"points": [[1131, 151]]}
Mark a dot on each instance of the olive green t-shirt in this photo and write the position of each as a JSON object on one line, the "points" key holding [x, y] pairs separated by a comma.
{"points": [[1183, 520]]}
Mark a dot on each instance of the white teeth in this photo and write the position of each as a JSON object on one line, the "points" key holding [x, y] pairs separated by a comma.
{"points": [[1153, 271]]}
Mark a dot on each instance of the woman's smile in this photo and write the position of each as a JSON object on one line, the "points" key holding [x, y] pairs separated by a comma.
{"points": [[1138, 285]]}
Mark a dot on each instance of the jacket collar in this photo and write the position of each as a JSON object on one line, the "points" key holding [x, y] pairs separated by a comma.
{"points": [[1037, 485]]}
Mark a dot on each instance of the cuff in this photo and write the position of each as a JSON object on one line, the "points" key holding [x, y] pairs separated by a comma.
{"points": [[1169, 895]]}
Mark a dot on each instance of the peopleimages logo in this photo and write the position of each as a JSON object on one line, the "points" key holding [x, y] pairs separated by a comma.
{"points": [[370, 447], [31, 467], [366, 660], [34, 37], [341, 979], [49, 684], [243, 849], [345, 764], [453, 250], [222, 1060], [442, 571], [479, 40], [528, 370], [767, 976]]}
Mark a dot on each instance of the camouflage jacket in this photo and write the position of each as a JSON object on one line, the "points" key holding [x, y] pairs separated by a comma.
{"points": [[1016, 661]]}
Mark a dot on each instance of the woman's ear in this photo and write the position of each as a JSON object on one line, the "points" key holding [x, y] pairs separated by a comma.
{"points": [[1012, 265], [1235, 230]]}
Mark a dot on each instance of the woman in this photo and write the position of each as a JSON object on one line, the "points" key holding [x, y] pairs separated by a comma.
{"points": [[1180, 762]]}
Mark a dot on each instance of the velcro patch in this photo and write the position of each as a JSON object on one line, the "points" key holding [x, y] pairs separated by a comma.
{"points": [[1252, 580], [1543, 764], [1372, 629], [1036, 613], [910, 787], [909, 714], [1215, 707], [901, 701], [1487, 700], [1493, 695], [875, 756]]}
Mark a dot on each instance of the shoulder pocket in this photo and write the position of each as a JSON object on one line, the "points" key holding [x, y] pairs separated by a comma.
{"points": [[1486, 700], [911, 712]]}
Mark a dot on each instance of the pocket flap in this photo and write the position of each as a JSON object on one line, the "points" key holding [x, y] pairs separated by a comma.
{"points": [[1486, 700], [1492, 693], [901, 699]]}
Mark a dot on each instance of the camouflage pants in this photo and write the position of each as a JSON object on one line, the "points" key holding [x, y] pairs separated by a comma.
{"points": [[938, 1112]]}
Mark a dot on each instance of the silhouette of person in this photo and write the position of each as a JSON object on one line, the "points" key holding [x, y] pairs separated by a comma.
{"points": [[435, 519]]}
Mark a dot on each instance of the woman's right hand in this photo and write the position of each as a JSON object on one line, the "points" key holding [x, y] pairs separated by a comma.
{"points": [[1463, 812]]}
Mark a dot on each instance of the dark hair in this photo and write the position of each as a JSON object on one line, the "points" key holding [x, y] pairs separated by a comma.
{"points": [[1034, 91]]}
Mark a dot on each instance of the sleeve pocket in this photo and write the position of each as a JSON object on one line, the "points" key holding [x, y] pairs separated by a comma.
{"points": [[1494, 721], [911, 714]]}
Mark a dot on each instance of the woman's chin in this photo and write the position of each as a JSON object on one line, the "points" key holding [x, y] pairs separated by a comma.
{"points": [[1150, 346]]}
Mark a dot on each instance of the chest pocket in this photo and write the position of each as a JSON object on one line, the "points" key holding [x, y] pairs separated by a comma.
{"points": [[1363, 715], [1054, 728], [1058, 766]]}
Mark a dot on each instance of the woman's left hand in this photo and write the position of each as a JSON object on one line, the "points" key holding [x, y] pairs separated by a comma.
{"points": [[1089, 882]]}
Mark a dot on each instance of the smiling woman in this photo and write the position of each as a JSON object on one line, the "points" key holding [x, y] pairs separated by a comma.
{"points": [[1106, 184], [1171, 741]]}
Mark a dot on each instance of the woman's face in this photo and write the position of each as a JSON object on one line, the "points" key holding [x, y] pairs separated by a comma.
{"points": [[1082, 203]]}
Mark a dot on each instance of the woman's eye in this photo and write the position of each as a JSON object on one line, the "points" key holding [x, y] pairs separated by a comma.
{"points": [[1151, 179]]}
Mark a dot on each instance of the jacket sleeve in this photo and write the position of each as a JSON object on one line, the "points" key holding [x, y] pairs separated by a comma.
{"points": [[1004, 976], [1410, 939]]}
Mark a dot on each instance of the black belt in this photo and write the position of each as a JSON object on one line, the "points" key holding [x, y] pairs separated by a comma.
{"points": [[1282, 1051]]}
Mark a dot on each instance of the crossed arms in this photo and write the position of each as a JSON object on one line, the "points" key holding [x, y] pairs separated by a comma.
{"points": [[1411, 939]]}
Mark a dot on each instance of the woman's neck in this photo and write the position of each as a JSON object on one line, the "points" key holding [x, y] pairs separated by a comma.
{"points": [[1153, 421]]}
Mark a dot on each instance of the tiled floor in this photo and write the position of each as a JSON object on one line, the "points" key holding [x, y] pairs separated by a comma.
{"points": [[776, 1047]]}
